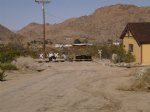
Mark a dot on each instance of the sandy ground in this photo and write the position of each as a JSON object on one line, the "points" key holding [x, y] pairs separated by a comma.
{"points": [[72, 87]]}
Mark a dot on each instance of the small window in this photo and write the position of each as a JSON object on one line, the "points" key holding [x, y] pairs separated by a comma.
{"points": [[130, 47]]}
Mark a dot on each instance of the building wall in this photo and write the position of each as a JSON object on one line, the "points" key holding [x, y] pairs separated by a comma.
{"points": [[128, 39], [146, 54]]}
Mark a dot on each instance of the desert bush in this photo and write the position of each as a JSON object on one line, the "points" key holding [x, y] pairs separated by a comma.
{"points": [[10, 53], [77, 41], [146, 76], [30, 52], [7, 57], [16, 48], [142, 81], [129, 58], [8, 66], [2, 75], [107, 51], [4, 67], [123, 56]]}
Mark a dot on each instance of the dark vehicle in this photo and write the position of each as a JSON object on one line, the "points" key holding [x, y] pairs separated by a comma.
{"points": [[83, 58]]}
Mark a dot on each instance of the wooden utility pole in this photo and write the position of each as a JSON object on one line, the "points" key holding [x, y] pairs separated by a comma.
{"points": [[43, 10]]}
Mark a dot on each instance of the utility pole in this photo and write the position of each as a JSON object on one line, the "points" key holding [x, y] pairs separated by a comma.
{"points": [[43, 10]]}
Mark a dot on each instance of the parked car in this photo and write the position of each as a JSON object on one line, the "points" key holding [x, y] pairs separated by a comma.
{"points": [[83, 58]]}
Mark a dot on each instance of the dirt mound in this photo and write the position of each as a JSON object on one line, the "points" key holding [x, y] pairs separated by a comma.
{"points": [[28, 63]]}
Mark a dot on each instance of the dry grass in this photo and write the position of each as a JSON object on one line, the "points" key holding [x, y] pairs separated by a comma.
{"points": [[141, 81]]}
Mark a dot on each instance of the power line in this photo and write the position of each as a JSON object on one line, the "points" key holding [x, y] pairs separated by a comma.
{"points": [[52, 15]]}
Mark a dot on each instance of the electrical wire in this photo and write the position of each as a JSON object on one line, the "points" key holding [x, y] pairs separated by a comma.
{"points": [[51, 15]]}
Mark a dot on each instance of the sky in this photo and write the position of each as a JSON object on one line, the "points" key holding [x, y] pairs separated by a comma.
{"points": [[16, 14]]}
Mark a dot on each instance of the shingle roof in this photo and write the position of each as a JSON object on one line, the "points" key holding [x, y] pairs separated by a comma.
{"points": [[140, 31]]}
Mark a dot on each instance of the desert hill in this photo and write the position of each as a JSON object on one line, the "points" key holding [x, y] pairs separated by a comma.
{"points": [[105, 23], [5, 34]]}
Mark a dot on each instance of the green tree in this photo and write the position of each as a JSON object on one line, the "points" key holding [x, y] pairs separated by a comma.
{"points": [[129, 58], [123, 56]]}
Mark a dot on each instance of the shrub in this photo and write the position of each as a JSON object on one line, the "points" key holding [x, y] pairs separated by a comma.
{"points": [[142, 81], [106, 52], [8, 66], [122, 56], [8, 56], [2, 75], [15, 48], [77, 41], [129, 58]]}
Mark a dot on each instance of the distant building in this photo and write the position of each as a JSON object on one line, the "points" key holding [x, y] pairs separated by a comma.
{"points": [[67, 45], [58, 45], [82, 44], [136, 39], [116, 43], [62, 45], [68, 38], [70, 45]]}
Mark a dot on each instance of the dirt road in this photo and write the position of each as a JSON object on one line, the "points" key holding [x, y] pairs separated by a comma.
{"points": [[72, 87]]}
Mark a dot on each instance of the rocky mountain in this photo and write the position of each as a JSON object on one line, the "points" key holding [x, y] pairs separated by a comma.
{"points": [[105, 23], [5, 34]]}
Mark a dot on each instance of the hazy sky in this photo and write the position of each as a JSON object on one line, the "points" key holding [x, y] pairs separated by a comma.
{"points": [[15, 14]]}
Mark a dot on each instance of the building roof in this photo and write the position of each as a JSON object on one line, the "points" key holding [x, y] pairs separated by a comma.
{"points": [[140, 31]]}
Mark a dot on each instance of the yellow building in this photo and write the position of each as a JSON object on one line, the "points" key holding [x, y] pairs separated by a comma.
{"points": [[136, 39]]}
